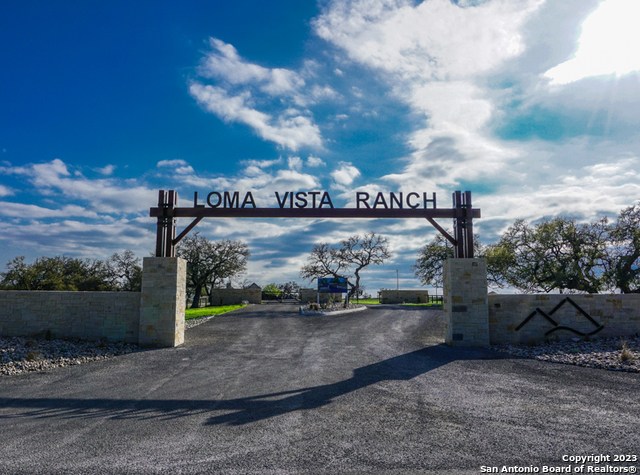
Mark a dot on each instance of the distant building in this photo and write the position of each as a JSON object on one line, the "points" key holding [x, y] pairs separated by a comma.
{"points": [[254, 286]]}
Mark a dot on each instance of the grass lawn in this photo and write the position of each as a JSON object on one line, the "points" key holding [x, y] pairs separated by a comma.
{"points": [[206, 311]]}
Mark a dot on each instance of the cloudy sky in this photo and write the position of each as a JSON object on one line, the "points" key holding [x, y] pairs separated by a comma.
{"points": [[532, 105]]}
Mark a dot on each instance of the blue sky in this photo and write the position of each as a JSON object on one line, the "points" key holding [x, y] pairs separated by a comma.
{"points": [[532, 105]]}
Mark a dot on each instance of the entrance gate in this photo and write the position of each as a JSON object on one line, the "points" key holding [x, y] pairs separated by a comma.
{"points": [[465, 282], [168, 211]]}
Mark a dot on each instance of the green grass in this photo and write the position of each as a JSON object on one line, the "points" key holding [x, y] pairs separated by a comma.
{"points": [[205, 312], [367, 301], [425, 304]]}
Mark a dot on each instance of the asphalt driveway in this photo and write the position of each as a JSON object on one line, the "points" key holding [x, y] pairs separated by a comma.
{"points": [[264, 390]]}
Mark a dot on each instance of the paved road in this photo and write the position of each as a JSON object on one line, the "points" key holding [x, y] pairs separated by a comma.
{"points": [[266, 391]]}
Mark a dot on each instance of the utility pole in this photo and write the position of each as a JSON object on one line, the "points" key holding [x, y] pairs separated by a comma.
{"points": [[397, 280]]}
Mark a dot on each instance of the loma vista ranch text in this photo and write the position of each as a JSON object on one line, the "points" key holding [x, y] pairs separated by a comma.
{"points": [[319, 200]]}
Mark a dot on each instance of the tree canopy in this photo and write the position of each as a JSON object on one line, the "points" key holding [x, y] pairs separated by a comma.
{"points": [[121, 272], [429, 264], [352, 256], [556, 254], [209, 263], [623, 259]]}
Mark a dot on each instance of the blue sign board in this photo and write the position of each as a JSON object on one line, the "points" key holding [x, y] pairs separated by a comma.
{"points": [[333, 285]]}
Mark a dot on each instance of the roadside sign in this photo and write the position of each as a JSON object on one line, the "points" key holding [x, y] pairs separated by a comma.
{"points": [[333, 285]]}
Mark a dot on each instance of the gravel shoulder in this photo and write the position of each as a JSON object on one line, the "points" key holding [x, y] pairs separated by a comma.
{"points": [[21, 355], [605, 353]]}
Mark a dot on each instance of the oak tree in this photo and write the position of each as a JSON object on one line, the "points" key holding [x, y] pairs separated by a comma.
{"points": [[209, 263], [352, 256]]}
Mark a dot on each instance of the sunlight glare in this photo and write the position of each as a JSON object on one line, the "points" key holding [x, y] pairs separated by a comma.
{"points": [[609, 44]]}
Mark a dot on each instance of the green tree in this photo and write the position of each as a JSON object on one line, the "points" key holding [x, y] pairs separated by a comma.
{"points": [[557, 254], [126, 271], [623, 260], [272, 291], [209, 263], [359, 253], [430, 262], [20, 275], [87, 275], [56, 273], [289, 289]]}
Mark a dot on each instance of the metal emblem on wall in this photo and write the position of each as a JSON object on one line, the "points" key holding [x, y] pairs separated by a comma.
{"points": [[556, 325]]}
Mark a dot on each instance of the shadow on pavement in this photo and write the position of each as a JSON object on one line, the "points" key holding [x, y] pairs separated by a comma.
{"points": [[250, 409]]}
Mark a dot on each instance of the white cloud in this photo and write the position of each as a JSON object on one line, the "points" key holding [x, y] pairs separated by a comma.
{"points": [[261, 182], [178, 166], [261, 163], [5, 191], [315, 162], [25, 211], [44, 174], [290, 132], [435, 40], [106, 195], [295, 163], [172, 163], [106, 171], [323, 92], [609, 44], [432, 55], [223, 62], [273, 101], [345, 174], [95, 240], [291, 180]]}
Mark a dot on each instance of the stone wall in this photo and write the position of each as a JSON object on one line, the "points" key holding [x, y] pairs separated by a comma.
{"points": [[163, 301], [84, 315], [619, 315], [465, 302], [153, 317], [311, 295], [235, 296], [404, 296]]}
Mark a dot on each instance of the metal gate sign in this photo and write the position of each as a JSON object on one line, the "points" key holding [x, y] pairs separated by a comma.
{"points": [[333, 285], [314, 204]]}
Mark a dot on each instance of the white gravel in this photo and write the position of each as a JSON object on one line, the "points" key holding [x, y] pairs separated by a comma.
{"points": [[20, 355], [194, 322], [603, 353]]}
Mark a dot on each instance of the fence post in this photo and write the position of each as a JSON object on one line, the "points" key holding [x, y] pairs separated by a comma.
{"points": [[466, 309], [163, 301]]}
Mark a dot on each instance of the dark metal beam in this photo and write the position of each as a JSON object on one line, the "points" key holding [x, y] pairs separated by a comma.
{"points": [[325, 213], [167, 213], [187, 229], [442, 231]]}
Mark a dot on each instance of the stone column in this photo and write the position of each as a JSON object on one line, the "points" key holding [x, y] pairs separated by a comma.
{"points": [[466, 310], [163, 301]]}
